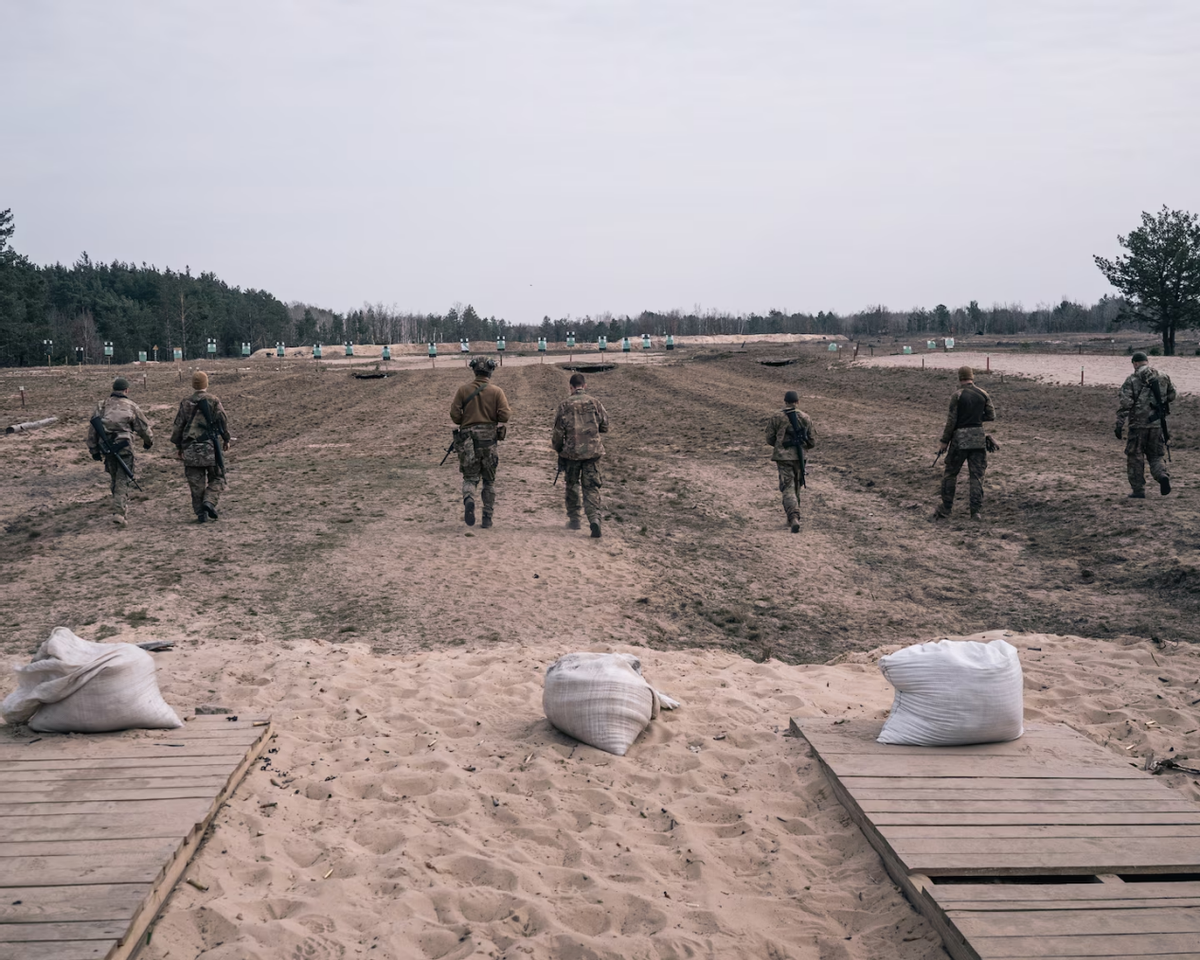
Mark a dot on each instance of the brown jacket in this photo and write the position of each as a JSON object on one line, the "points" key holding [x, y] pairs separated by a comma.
{"points": [[122, 419], [489, 405], [779, 434]]}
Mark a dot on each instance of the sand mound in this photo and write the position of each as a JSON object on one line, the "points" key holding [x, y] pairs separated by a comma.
{"points": [[423, 807]]}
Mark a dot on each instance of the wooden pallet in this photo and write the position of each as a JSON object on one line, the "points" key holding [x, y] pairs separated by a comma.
{"points": [[1048, 846], [96, 830]]}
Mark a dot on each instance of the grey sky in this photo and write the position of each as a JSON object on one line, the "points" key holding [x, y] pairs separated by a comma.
{"points": [[564, 158]]}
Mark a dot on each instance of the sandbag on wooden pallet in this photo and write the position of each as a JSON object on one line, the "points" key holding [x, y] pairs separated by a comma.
{"points": [[601, 699], [954, 692], [76, 686]]}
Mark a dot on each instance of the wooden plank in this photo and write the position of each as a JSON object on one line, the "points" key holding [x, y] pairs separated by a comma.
{"points": [[135, 807], [857, 784], [999, 818], [189, 750], [1173, 805], [79, 870], [1099, 793], [1033, 906], [1049, 864], [1145, 944], [58, 847], [61, 781], [950, 894], [937, 831], [10, 768], [859, 737], [154, 819], [67, 950], [1073, 923], [72, 903], [10, 778], [79, 930], [1087, 849], [942, 766], [74, 793]]}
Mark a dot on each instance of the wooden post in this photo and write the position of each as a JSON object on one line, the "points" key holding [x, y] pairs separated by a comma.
{"points": [[989, 363], [922, 361], [1081, 376], [22, 389]]}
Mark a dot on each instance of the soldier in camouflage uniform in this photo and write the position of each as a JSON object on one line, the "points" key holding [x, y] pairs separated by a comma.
{"points": [[1145, 436], [122, 419], [578, 423], [963, 436], [781, 436], [191, 436], [480, 409]]}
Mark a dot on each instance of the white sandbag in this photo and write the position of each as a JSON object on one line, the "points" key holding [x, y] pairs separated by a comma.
{"points": [[954, 692], [76, 686], [601, 699]]}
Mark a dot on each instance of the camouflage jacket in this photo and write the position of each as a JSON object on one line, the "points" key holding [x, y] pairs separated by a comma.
{"points": [[780, 435], [489, 405], [1137, 396], [578, 423], [122, 419], [969, 407], [190, 431]]}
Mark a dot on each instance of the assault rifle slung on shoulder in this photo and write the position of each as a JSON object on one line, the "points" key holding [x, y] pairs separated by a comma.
{"points": [[799, 439], [108, 450], [1160, 410]]}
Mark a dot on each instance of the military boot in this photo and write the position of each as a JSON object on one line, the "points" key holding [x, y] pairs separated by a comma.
{"points": [[201, 516], [1138, 495], [573, 523], [487, 521], [1164, 486], [595, 529], [210, 510], [469, 512], [795, 523], [119, 519]]}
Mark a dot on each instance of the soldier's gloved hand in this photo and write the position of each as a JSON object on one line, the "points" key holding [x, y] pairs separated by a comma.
{"points": [[224, 444], [943, 448], [1119, 430], [147, 444], [97, 455]]}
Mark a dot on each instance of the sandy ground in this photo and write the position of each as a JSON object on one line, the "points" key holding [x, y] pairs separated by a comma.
{"points": [[1058, 369], [341, 592], [421, 806]]}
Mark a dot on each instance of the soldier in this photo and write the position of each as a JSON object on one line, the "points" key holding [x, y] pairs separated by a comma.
{"points": [[578, 423], [781, 434], [970, 409], [1146, 441], [122, 419], [199, 422], [481, 411]]}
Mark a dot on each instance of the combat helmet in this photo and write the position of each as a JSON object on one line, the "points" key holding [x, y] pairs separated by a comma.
{"points": [[484, 365]]}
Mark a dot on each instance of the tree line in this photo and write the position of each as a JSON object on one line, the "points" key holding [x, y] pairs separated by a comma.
{"points": [[56, 311]]}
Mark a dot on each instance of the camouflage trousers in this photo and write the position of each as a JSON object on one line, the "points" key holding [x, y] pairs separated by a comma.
{"points": [[1145, 443], [583, 481], [477, 460], [976, 461], [120, 483], [789, 486], [206, 484]]}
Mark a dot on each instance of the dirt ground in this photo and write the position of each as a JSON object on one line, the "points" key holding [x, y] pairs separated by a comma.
{"points": [[340, 525]]}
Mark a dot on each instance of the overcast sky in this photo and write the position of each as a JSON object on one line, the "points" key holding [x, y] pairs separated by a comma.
{"points": [[566, 158]]}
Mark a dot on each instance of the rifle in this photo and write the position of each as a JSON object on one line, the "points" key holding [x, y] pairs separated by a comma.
{"points": [[449, 448], [938, 457], [102, 439], [213, 434], [557, 472], [1161, 411], [800, 437]]}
